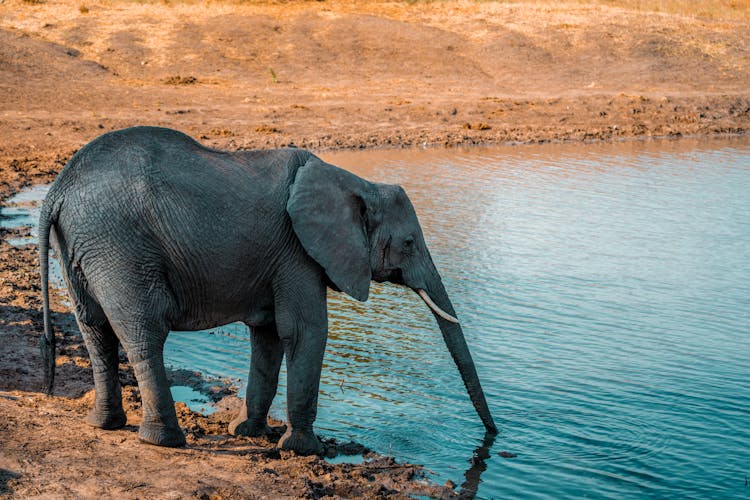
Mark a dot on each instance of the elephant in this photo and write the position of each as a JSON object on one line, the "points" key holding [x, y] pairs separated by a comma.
{"points": [[156, 232]]}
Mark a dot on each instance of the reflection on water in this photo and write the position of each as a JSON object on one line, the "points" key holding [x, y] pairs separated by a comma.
{"points": [[478, 461], [604, 293]]}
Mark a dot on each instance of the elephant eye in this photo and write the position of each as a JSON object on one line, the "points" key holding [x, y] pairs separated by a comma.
{"points": [[408, 245]]}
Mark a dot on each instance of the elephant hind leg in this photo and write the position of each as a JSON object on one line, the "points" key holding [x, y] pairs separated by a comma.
{"points": [[102, 345], [139, 317], [159, 425], [143, 341]]}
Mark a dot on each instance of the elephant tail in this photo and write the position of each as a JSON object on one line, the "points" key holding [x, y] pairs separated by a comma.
{"points": [[47, 341]]}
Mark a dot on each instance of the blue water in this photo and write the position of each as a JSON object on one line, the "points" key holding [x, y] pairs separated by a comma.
{"points": [[605, 294]]}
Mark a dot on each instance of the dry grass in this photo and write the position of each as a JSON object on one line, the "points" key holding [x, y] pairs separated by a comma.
{"points": [[736, 10], [713, 9]]}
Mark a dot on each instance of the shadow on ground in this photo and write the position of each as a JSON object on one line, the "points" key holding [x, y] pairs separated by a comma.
{"points": [[5, 476], [21, 366]]}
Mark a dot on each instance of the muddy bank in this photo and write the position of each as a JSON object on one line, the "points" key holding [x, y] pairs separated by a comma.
{"points": [[319, 75]]}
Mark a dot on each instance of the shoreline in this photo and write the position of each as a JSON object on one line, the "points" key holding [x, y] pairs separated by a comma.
{"points": [[571, 121], [544, 142]]}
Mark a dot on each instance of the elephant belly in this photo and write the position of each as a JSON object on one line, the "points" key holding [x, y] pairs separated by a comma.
{"points": [[251, 318], [205, 306]]}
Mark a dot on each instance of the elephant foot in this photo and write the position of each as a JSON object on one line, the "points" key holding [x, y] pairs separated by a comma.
{"points": [[107, 420], [301, 442], [245, 427], [161, 435]]}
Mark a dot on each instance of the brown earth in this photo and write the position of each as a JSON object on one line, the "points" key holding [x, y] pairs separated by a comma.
{"points": [[321, 75]]}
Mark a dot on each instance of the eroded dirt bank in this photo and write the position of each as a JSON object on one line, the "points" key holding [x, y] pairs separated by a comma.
{"points": [[360, 74], [318, 75]]}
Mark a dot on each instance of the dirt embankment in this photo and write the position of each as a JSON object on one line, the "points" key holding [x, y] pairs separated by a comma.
{"points": [[333, 74], [360, 74]]}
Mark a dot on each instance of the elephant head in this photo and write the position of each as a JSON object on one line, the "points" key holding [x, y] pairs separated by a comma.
{"points": [[360, 231]]}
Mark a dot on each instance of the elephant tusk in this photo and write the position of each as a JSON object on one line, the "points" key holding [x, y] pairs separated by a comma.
{"points": [[435, 308]]}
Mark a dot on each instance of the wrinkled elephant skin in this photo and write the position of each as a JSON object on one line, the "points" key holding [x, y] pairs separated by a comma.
{"points": [[156, 233]]}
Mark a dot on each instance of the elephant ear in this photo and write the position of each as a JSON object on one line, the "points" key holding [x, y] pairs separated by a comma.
{"points": [[327, 208]]}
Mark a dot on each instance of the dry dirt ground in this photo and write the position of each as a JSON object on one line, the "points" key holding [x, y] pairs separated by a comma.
{"points": [[327, 74]]}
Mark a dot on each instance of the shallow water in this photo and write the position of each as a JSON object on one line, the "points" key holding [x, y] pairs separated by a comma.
{"points": [[604, 291]]}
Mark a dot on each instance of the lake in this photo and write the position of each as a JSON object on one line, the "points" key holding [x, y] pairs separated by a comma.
{"points": [[604, 290]]}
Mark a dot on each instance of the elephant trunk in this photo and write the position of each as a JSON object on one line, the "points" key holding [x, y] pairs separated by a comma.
{"points": [[456, 343]]}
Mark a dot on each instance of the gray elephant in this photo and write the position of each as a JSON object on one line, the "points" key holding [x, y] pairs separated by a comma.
{"points": [[156, 232]]}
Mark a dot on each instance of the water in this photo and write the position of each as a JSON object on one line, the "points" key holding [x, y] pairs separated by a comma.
{"points": [[196, 400], [605, 294], [22, 212]]}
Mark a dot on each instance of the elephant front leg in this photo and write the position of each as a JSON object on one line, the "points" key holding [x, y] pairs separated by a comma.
{"points": [[304, 363], [304, 345], [263, 379], [102, 345]]}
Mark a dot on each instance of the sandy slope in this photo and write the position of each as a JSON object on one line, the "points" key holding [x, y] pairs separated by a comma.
{"points": [[346, 74]]}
